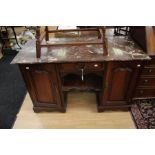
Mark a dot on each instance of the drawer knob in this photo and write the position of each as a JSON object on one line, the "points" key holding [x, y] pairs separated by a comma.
{"points": [[27, 68], [150, 70], [141, 91], [145, 81], [138, 65], [96, 65]]}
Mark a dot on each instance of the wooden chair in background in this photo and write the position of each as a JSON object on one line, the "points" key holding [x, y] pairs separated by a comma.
{"points": [[5, 38], [39, 38], [121, 30]]}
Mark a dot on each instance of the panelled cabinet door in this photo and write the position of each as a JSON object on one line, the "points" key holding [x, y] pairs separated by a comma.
{"points": [[119, 85], [120, 82], [42, 84]]}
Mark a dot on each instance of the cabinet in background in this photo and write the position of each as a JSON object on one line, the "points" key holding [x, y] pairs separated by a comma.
{"points": [[145, 87]]}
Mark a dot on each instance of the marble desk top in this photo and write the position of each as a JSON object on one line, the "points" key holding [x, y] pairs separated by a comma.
{"points": [[120, 48]]}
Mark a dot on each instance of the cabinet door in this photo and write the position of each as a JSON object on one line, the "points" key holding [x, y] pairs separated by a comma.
{"points": [[120, 82], [42, 84]]}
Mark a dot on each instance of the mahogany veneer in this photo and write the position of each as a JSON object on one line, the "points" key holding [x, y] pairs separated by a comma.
{"points": [[145, 37], [126, 73]]}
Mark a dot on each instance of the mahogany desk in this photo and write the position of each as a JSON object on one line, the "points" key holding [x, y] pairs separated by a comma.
{"points": [[115, 78]]}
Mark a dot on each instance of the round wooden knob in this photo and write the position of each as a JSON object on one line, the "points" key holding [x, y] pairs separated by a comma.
{"points": [[145, 81], [96, 65], [150, 70], [141, 91]]}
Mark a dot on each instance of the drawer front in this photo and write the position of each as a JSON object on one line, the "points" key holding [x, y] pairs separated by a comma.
{"points": [[76, 67], [150, 63], [69, 67], [148, 71], [94, 66], [145, 93], [38, 67], [146, 81]]}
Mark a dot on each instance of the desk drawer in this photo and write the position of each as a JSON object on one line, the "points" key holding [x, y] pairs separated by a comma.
{"points": [[145, 92], [68, 67], [76, 67], [148, 71], [94, 66], [146, 81], [150, 63]]}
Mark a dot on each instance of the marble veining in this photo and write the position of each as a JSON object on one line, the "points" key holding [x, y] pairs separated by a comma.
{"points": [[120, 48]]}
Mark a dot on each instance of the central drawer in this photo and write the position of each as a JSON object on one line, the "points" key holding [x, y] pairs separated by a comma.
{"points": [[76, 67]]}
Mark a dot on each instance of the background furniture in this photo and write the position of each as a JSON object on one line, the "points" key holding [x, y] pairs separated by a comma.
{"points": [[5, 38], [145, 38], [121, 30]]}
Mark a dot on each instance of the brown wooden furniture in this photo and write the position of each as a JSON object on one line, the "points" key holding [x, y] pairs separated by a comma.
{"points": [[113, 82], [117, 78], [120, 82], [145, 37], [4, 36], [44, 86], [121, 30], [39, 38]]}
